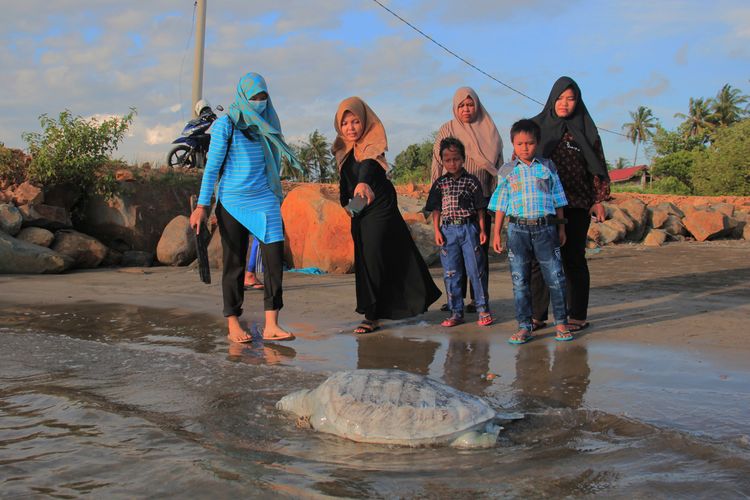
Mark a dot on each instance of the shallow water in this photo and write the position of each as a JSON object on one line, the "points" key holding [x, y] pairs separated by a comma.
{"points": [[121, 401]]}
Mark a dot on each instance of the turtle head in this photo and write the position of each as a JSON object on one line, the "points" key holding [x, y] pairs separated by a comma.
{"points": [[299, 402]]}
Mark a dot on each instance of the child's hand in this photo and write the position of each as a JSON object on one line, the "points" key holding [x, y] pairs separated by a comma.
{"points": [[482, 237], [439, 240], [497, 245], [561, 234]]}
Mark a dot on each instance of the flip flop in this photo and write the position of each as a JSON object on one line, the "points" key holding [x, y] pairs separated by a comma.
{"points": [[577, 327], [366, 327], [275, 339], [248, 340], [538, 326], [452, 321], [564, 336], [256, 285], [524, 338], [485, 320]]}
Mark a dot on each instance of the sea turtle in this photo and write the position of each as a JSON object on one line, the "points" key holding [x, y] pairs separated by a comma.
{"points": [[396, 407]]}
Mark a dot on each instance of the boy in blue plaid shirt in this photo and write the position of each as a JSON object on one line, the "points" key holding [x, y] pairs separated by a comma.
{"points": [[530, 193], [457, 205]]}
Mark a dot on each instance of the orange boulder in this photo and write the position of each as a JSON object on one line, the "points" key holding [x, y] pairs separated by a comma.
{"points": [[317, 231]]}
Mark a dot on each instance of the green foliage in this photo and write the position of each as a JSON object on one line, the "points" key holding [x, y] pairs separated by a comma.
{"points": [[724, 168], [413, 164], [317, 161], [727, 106], [670, 185], [677, 165], [13, 164], [73, 150], [667, 142]]}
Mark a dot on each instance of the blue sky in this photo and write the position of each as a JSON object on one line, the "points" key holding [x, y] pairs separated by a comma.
{"points": [[100, 57]]}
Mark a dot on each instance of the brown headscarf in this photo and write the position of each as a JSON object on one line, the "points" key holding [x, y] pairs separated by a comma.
{"points": [[371, 145], [480, 137]]}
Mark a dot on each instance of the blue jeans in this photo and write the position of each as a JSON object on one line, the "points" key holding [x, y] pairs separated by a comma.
{"points": [[463, 240], [542, 243]]}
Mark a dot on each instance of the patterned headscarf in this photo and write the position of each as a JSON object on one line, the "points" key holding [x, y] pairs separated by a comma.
{"points": [[262, 121]]}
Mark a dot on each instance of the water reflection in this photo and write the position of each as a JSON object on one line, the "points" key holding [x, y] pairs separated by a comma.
{"points": [[544, 380], [385, 351], [466, 366], [260, 353]]}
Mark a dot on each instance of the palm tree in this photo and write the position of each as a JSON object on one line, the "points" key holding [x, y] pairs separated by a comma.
{"points": [[641, 128], [727, 106], [315, 154], [700, 120], [620, 163]]}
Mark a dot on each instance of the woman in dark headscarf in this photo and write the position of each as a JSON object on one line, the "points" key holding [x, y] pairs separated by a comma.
{"points": [[570, 138], [392, 279]]}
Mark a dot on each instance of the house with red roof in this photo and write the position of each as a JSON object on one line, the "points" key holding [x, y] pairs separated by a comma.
{"points": [[638, 175]]}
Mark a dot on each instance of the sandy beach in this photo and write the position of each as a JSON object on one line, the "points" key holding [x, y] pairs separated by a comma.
{"points": [[662, 373]]}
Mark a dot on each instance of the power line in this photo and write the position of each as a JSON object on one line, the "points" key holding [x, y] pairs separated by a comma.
{"points": [[463, 60]]}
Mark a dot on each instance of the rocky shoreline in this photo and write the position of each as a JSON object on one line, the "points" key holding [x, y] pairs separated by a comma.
{"points": [[148, 224]]}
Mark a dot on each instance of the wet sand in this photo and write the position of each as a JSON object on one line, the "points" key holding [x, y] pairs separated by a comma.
{"points": [[131, 368]]}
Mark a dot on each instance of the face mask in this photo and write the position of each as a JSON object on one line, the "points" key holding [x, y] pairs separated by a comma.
{"points": [[258, 106]]}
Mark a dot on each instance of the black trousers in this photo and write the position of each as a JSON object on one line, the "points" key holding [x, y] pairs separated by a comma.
{"points": [[575, 266], [486, 268], [234, 241]]}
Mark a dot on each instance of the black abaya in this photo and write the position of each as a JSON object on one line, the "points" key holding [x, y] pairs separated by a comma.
{"points": [[392, 279]]}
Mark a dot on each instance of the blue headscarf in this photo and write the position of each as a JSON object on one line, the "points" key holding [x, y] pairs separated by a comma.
{"points": [[259, 118]]}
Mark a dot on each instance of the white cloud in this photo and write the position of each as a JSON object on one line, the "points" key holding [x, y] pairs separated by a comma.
{"points": [[162, 134]]}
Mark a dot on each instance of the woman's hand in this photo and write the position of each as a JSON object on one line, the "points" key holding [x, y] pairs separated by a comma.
{"points": [[482, 237], [200, 214], [597, 212], [561, 234], [365, 191]]}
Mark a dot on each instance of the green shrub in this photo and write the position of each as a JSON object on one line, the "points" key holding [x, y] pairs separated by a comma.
{"points": [[677, 165], [75, 151], [413, 164], [724, 168], [669, 185]]}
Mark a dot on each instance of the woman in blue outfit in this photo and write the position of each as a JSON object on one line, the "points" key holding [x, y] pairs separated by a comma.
{"points": [[245, 152]]}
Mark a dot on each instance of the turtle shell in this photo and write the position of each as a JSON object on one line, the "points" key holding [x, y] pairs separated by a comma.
{"points": [[394, 407]]}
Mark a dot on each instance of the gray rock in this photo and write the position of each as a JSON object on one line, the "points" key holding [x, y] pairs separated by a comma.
{"points": [[616, 213], [670, 208], [46, 216], [20, 257], [724, 208], [657, 217], [424, 237], [10, 219], [177, 244], [674, 226], [36, 236], [637, 210], [215, 251], [137, 258], [87, 252], [611, 231]]}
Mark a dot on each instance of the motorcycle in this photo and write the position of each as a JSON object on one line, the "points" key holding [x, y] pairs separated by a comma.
{"points": [[192, 145]]}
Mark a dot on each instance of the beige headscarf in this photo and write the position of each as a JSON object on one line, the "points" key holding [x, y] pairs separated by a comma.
{"points": [[371, 145], [480, 137]]}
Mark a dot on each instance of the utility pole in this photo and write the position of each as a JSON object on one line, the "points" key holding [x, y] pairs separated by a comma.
{"points": [[200, 41]]}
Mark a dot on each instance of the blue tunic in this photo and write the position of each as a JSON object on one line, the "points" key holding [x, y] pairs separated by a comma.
{"points": [[243, 189]]}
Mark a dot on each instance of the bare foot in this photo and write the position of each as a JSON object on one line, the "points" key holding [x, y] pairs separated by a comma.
{"points": [[236, 332]]}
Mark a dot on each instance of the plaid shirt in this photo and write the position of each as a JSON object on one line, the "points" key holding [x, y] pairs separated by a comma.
{"points": [[528, 191], [456, 198]]}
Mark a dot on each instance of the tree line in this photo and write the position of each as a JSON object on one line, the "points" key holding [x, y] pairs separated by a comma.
{"points": [[707, 154]]}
